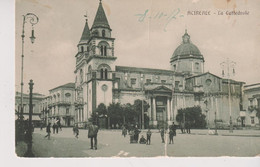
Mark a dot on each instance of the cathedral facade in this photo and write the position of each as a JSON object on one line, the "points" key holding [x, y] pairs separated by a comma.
{"points": [[99, 80]]}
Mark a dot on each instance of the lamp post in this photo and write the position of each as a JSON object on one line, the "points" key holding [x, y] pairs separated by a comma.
{"points": [[226, 65], [29, 152], [216, 131], [142, 79], [33, 19]]}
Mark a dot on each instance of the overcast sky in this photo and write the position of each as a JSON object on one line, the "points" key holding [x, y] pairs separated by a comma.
{"points": [[140, 42]]}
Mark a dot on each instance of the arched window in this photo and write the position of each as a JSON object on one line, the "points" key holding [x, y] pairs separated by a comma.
{"points": [[104, 70], [81, 75], [82, 49], [103, 33], [67, 97], [105, 50], [197, 65], [102, 73], [105, 73], [103, 46]]}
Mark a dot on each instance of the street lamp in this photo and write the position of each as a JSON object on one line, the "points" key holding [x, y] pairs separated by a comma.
{"points": [[29, 152], [33, 19], [226, 65], [142, 79]]}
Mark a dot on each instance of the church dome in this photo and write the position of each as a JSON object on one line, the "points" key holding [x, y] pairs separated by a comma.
{"points": [[186, 49]]}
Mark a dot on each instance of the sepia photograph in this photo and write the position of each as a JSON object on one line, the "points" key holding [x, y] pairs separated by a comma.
{"points": [[143, 79]]}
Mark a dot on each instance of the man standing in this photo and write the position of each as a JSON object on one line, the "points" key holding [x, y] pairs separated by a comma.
{"points": [[92, 134], [173, 128], [149, 134], [48, 130], [162, 134]]}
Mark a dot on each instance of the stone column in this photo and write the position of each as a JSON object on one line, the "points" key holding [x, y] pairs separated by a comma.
{"points": [[154, 112], [78, 114], [150, 111], [168, 111], [82, 112]]}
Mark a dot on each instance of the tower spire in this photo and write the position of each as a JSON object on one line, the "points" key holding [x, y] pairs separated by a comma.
{"points": [[86, 32], [100, 20]]}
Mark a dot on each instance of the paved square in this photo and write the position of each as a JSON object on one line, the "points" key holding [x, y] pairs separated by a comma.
{"points": [[112, 144]]}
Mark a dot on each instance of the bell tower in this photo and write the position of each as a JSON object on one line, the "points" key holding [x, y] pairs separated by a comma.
{"points": [[95, 63]]}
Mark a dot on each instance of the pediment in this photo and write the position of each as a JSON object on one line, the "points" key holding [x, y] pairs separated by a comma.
{"points": [[162, 89]]}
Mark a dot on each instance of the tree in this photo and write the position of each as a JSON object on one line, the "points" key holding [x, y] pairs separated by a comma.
{"points": [[101, 110], [129, 113], [193, 115], [138, 108], [114, 112]]}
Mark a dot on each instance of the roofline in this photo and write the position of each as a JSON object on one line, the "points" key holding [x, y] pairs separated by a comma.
{"points": [[63, 86], [252, 85], [187, 57], [203, 74], [144, 70]]}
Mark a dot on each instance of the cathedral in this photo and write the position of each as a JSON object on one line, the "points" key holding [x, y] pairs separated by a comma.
{"points": [[99, 80]]}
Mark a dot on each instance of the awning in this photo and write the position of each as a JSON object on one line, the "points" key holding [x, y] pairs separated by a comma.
{"points": [[34, 117]]}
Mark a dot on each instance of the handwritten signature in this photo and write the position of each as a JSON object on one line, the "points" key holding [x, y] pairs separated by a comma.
{"points": [[160, 16]]}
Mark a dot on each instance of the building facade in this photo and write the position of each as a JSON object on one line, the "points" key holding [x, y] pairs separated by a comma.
{"points": [[36, 102], [252, 105], [99, 80], [59, 105]]}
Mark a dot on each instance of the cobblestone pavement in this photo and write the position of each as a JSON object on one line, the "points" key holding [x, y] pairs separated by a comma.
{"points": [[111, 143]]}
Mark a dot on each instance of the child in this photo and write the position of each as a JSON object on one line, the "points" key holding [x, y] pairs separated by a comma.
{"points": [[148, 134], [142, 140]]}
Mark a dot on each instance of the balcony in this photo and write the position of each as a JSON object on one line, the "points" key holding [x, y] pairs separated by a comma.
{"points": [[97, 75], [65, 103]]}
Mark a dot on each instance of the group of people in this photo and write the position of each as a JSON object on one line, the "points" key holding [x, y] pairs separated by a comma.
{"points": [[92, 132], [172, 133], [134, 134], [185, 126]]}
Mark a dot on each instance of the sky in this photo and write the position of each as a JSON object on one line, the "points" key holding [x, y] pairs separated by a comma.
{"points": [[141, 40]]}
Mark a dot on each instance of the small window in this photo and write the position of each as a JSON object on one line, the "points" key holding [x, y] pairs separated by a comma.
{"points": [[125, 76], [148, 80], [174, 67], [133, 81], [67, 111], [157, 78], [208, 82], [103, 33], [197, 66], [163, 81], [177, 84], [81, 75], [252, 120], [82, 49]]}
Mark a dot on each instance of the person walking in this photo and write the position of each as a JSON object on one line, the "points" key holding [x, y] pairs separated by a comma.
{"points": [[182, 127], [57, 128], [148, 136], [48, 130], [136, 132], [124, 131], [76, 131], [188, 125], [171, 134], [54, 128], [92, 134], [162, 134]]}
